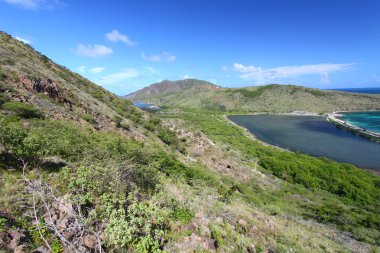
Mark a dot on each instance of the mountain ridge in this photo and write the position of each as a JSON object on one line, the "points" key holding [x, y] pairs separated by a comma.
{"points": [[268, 98]]}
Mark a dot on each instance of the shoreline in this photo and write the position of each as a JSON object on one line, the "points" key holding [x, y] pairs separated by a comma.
{"points": [[251, 135], [295, 113], [333, 118]]}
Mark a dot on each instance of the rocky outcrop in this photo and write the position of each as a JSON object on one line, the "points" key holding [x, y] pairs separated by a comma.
{"points": [[47, 86]]}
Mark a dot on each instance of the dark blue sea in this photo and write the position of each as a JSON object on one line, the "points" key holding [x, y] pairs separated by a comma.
{"points": [[375, 90]]}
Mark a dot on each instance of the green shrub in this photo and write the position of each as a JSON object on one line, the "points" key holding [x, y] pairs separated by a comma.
{"points": [[22, 109], [180, 213], [3, 76], [141, 225], [3, 98], [9, 62], [89, 118], [3, 221], [167, 136]]}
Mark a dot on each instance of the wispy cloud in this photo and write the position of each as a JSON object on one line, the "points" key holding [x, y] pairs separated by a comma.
{"points": [[95, 51], [34, 4], [82, 69], [23, 40], [97, 70], [116, 36], [163, 57], [261, 75], [214, 81], [126, 74], [186, 77]]}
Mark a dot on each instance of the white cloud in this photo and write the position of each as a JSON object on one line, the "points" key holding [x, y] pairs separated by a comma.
{"points": [[126, 74], [164, 56], [82, 69], [120, 76], [224, 68], [116, 36], [186, 77], [214, 81], [23, 40], [261, 75], [325, 78], [96, 70], [34, 4], [94, 51]]}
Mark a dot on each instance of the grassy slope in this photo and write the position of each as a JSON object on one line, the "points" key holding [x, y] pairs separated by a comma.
{"points": [[135, 173], [270, 98], [338, 193]]}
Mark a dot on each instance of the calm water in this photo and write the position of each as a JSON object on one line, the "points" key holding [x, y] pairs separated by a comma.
{"points": [[366, 120], [144, 106], [312, 135]]}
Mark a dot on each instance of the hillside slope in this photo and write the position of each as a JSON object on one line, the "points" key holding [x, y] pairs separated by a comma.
{"points": [[82, 170], [269, 98], [167, 87]]}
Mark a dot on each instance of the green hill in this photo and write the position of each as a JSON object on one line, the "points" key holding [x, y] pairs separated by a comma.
{"points": [[269, 98], [82, 170]]}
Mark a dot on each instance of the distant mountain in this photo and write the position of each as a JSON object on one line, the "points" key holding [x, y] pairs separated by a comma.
{"points": [[167, 87], [268, 98]]}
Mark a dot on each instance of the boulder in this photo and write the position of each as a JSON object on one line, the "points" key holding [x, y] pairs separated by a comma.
{"points": [[90, 241]]}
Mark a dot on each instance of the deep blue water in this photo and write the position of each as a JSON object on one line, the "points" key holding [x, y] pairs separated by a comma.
{"points": [[312, 135], [362, 90], [366, 120]]}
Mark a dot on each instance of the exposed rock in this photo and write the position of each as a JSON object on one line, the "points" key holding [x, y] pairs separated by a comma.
{"points": [[17, 239], [21, 249], [90, 241], [42, 249], [190, 227], [211, 244], [46, 86], [243, 222], [4, 240]]}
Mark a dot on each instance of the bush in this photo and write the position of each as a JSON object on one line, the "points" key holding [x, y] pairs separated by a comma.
{"points": [[141, 225], [22, 109], [180, 213], [3, 98], [89, 118]]}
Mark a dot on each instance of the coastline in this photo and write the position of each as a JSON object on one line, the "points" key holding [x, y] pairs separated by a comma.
{"points": [[333, 118], [250, 134], [253, 137]]}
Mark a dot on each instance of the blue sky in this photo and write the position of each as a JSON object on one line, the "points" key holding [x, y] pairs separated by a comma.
{"points": [[126, 45]]}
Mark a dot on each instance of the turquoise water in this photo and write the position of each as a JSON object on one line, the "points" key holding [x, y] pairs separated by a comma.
{"points": [[312, 135], [366, 120]]}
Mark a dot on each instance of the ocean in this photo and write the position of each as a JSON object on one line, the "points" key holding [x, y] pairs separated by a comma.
{"points": [[375, 90]]}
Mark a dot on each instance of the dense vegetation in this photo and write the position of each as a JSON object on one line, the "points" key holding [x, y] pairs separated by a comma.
{"points": [[103, 172]]}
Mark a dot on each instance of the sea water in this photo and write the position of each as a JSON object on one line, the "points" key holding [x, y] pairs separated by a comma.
{"points": [[312, 135]]}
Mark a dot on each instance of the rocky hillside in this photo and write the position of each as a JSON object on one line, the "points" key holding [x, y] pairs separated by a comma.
{"points": [[82, 170], [269, 98]]}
